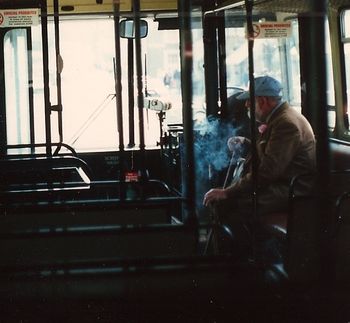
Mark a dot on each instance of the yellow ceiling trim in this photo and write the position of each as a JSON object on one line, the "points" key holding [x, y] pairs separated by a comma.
{"points": [[90, 6], [158, 5]]}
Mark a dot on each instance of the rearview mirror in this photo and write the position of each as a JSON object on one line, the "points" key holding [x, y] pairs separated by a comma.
{"points": [[127, 28]]}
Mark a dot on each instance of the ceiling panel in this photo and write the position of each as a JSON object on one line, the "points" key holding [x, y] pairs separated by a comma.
{"points": [[90, 6]]}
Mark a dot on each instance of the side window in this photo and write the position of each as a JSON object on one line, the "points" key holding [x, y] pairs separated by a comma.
{"points": [[88, 91], [89, 117], [23, 76], [278, 57], [89, 108], [292, 66], [330, 80], [345, 24], [16, 91]]}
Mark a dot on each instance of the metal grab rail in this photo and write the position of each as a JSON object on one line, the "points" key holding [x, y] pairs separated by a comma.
{"points": [[123, 266], [42, 161], [91, 230], [58, 146], [41, 164], [92, 192]]}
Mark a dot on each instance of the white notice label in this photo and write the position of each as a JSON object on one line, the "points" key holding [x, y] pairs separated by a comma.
{"points": [[271, 29], [19, 17]]}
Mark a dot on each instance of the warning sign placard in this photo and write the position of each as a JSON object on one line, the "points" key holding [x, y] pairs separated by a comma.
{"points": [[19, 17], [272, 29]]}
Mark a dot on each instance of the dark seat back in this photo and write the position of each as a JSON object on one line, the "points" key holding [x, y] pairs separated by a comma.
{"points": [[304, 223]]}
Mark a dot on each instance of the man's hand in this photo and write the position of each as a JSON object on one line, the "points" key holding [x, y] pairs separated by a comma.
{"points": [[215, 194]]}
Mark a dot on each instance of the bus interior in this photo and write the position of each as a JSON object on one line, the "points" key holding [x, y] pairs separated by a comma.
{"points": [[101, 209]]}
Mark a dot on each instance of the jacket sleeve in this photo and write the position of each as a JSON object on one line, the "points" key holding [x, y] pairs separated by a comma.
{"points": [[276, 149]]}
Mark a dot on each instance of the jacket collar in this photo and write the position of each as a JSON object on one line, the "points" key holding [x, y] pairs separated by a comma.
{"points": [[281, 106]]}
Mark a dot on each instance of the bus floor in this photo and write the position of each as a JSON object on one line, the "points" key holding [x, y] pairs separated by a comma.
{"points": [[238, 301]]}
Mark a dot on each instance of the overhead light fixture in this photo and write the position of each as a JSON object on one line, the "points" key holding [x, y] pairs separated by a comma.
{"points": [[67, 8]]}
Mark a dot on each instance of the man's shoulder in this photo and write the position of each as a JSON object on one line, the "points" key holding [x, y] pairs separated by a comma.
{"points": [[293, 119], [286, 112]]}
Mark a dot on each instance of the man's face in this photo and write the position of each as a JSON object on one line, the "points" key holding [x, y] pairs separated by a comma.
{"points": [[260, 108]]}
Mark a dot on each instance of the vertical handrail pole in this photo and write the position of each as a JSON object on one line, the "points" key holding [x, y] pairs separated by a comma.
{"points": [[138, 52], [131, 93], [318, 100], [58, 70], [46, 77], [210, 62], [186, 52], [317, 92], [222, 66], [118, 95], [31, 90], [254, 154]]}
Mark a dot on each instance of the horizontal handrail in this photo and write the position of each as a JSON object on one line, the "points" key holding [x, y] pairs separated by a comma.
{"points": [[40, 165], [87, 230], [95, 192], [122, 266], [39, 145], [13, 162]]}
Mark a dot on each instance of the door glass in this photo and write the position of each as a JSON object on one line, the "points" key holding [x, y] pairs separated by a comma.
{"points": [[16, 81]]}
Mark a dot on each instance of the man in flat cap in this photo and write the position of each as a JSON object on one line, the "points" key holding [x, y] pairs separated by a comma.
{"points": [[285, 148]]}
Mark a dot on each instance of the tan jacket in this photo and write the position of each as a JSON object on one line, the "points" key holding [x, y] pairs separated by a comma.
{"points": [[286, 148]]}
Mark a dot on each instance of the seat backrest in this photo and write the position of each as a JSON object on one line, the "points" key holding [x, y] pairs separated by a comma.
{"points": [[304, 223], [67, 245], [341, 239]]}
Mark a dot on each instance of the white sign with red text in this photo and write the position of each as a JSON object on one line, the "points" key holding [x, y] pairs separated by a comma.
{"points": [[19, 17], [272, 29]]}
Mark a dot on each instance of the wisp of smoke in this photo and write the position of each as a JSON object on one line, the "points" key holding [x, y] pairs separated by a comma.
{"points": [[212, 156]]}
